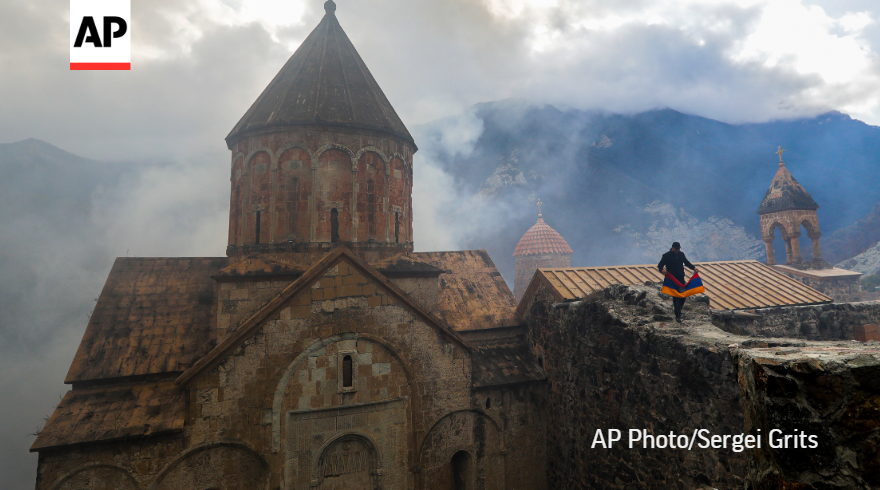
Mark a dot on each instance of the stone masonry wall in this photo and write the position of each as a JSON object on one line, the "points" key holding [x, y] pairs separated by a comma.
{"points": [[526, 265], [271, 410], [819, 322], [520, 411], [294, 179], [842, 290], [827, 390], [614, 361]]}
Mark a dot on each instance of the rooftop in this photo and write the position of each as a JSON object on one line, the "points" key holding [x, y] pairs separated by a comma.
{"points": [[324, 83], [785, 193], [730, 285], [833, 273], [541, 239]]}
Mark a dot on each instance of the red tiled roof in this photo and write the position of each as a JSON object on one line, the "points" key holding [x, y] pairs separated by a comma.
{"points": [[541, 239]]}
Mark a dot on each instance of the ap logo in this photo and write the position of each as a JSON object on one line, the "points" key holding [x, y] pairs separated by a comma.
{"points": [[100, 34]]}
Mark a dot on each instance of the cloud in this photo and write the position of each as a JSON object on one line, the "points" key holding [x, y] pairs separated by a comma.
{"points": [[197, 67]]}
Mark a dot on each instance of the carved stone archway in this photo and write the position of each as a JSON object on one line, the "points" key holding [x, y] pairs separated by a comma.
{"points": [[789, 223], [350, 462]]}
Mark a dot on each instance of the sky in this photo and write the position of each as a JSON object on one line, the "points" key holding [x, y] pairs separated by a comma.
{"points": [[197, 66]]}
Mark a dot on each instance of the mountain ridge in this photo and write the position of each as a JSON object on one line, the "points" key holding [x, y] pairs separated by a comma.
{"points": [[597, 170]]}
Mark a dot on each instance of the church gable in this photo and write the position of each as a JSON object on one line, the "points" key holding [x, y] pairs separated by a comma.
{"points": [[339, 352], [339, 281]]}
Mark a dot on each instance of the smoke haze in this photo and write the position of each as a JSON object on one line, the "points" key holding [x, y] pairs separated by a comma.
{"points": [[155, 177]]}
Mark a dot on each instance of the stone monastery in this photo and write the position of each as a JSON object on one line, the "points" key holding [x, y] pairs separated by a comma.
{"points": [[322, 353]]}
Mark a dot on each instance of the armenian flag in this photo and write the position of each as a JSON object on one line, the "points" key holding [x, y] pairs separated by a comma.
{"points": [[674, 287]]}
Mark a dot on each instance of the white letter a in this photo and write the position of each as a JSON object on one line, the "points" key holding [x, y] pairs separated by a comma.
{"points": [[599, 439]]}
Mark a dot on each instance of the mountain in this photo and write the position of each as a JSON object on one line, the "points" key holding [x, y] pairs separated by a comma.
{"points": [[854, 239], [602, 177], [867, 262], [65, 218]]}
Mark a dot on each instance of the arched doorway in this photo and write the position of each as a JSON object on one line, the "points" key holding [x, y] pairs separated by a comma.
{"points": [[349, 463], [461, 470]]}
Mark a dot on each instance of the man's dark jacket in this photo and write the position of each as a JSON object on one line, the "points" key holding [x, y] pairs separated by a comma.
{"points": [[675, 264]]}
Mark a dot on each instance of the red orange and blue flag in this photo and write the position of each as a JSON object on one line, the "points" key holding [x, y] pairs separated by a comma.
{"points": [[674, 287]]}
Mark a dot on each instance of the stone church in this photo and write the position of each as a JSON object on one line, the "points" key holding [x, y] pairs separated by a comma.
{"points": [[321, 352]]}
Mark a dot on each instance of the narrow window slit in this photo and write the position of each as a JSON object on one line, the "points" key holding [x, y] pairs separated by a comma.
{"points": [[258, 228], [334, 226], [346, 372]]}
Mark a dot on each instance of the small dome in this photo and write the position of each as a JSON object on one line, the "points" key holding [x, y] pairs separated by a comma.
{"points": [[541, 239]]}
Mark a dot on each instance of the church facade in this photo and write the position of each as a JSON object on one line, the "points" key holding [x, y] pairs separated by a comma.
{"points": [[321, 352]]}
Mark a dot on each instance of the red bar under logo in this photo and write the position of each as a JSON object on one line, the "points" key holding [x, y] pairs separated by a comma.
{"points": [[100, 66]]}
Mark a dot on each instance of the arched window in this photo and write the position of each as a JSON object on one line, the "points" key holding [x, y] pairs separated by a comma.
{"points": [[460, 470], [346, 372], [334, 226], [488, 403]]}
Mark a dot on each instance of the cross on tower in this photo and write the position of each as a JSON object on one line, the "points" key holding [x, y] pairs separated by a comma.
{"points": [[539, 207], [779, 152]]}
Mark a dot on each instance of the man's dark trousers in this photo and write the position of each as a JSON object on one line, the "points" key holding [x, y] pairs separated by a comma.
{"points": [[677, 304]]}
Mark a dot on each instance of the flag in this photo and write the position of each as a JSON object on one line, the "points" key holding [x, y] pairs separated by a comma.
{"points": [[673, 287]]}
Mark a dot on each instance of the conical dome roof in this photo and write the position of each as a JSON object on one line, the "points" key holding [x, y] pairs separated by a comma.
{"points": [[785, 193], [541, 239], [324, 83]]}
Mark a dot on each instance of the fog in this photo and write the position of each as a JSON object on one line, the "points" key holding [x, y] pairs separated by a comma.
{"points": [[153, 177]]}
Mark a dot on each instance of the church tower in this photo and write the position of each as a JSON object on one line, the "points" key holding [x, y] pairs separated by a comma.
{"points": [[321, 158], [540, 247], [787, 206]]}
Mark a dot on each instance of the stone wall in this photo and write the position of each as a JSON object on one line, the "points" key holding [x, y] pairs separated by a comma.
{"points": [[819, 322], [521, 412], [526, 265], [842, 290], [292, 181], [828, 391], [615, 361], [275, 414]]}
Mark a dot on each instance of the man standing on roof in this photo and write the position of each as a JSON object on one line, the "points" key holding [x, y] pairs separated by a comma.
{"points": [[675, 262]]}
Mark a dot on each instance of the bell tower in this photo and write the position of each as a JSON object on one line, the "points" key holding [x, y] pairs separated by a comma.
{"points": [[321, 157], [787, 206]]}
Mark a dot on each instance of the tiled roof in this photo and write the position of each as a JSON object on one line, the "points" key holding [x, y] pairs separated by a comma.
{"points": [[154, 315], [541, 239], [504, 365], [502, 357], [324, 83], [785, 193], [473, 295], [261, 265], [730, 285], [406, 265], [105, 414]]}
